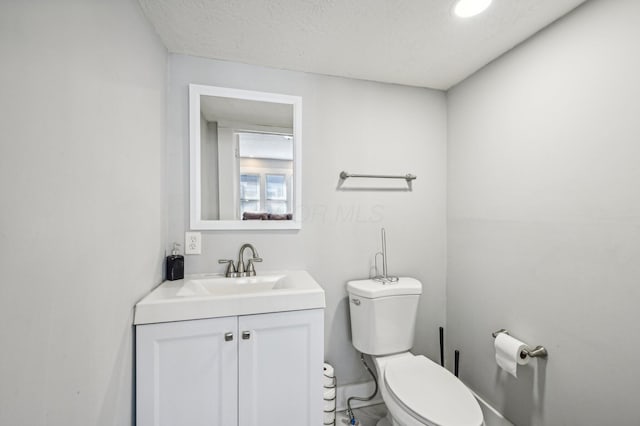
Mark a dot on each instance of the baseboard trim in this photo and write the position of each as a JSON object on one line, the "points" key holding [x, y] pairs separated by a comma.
{"points": [[492, 417]]}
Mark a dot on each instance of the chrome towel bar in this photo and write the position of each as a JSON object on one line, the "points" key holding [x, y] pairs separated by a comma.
{"points": [[537, 352], [408, 177]]}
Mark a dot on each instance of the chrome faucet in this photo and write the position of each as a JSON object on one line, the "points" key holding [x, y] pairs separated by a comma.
{"points": [[242, 271], [250, 270]]}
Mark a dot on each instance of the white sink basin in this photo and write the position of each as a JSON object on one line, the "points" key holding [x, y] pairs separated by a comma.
{"points": [[213, 295], [220, 286]]}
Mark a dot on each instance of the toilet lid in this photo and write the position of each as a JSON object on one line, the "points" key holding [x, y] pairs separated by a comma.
{"points": [[431, 393]]}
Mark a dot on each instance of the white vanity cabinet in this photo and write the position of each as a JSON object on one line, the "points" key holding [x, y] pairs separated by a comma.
{"points": [[248, 370]]}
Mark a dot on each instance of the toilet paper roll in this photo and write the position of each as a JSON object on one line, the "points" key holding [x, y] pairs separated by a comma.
{"points": [[328, 370], [329, 418], [328, 379], [329, 393], [329, 405], [508, 351]]}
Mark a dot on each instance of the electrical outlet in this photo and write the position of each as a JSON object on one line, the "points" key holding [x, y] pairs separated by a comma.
{"points": [[192, 243]]}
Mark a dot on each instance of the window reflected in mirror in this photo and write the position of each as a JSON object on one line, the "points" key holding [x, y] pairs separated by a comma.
{"points": [[266, 169]]}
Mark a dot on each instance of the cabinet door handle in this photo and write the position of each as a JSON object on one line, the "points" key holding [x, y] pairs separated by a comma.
{"points": [[246, 335], [228, 337]]}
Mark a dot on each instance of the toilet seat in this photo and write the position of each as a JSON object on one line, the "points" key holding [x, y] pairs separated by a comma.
{"points": [[430, 393]]}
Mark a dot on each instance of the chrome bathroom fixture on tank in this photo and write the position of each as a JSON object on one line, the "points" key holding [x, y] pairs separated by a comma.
{"points": [[384, 277]]}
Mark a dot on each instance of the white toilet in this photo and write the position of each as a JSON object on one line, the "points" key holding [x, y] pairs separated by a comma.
{"points": [[415, 390]]}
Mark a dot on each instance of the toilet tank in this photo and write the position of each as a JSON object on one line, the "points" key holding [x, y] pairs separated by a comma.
{"points": [[383, 316]]}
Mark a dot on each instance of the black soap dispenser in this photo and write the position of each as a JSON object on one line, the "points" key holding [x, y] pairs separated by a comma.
{"points": [[175, 264]]}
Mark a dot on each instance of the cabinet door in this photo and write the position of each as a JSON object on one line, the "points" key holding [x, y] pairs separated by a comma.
{"points": [[280, 375], [186, 373]]}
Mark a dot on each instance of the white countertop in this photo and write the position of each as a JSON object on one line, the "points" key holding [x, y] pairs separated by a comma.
{"points": [[212, 295]]}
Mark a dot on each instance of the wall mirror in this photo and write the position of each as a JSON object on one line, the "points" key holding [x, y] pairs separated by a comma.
{"points": [[245, 159]]}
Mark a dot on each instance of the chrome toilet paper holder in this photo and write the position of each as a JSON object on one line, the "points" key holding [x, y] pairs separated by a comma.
{"points": [[537, 352]]}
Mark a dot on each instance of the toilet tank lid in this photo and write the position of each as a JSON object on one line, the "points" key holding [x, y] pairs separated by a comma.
{"points": [[372, 289]]}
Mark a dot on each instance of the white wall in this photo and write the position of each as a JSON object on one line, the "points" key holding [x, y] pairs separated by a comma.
{"points": [[544, 219], [83, 213], [350, 125]]}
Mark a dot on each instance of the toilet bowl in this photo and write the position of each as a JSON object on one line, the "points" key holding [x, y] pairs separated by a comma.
{"points": [[419, 392], [416, 391]]}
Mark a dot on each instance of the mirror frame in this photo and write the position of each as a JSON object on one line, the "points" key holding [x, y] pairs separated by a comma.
{"points": [[195, 177]]}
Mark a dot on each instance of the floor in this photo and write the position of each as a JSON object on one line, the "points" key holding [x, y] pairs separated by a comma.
{"points": [[366, 416]]}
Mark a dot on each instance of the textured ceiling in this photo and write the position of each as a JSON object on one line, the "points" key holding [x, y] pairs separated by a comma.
{"points": [[413, 42]]}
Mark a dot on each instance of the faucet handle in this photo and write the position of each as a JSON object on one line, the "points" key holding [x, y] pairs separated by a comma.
{"points": [[231, 268], [251, 270]]}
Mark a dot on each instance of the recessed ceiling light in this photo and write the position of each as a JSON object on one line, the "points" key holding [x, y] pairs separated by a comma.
{"points": [[469, 8]]}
